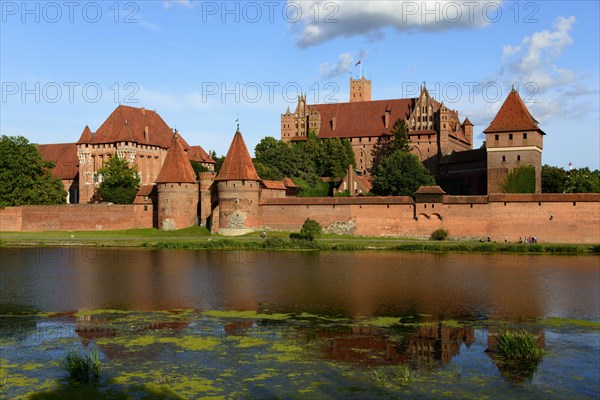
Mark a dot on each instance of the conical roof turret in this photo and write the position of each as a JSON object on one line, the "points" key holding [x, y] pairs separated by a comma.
{"points": [[238, 165], [177, 167]]}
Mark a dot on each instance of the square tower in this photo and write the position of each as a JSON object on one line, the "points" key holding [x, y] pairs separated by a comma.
{"points": [[360, 89], [513, 139]]}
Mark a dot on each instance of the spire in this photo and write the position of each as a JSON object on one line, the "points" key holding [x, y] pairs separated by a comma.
{"points": [[238, 165], [467, 122], [177, 167], [513, 116], [86, 135]]}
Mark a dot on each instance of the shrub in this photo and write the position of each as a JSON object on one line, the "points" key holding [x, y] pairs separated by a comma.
{"points": [[519, 346], [82, 368], [311, 229], [439, 234], [520, 180]]}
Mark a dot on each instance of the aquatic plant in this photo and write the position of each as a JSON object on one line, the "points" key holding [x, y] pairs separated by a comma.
{"points": [[519, 346], [162, 379], [402, 374], [518, 355], [4, 386], [82, 368], [378, 375], [457, 371]]}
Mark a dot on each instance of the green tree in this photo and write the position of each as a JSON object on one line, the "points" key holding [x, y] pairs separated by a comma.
{"points": [[120, 183], [306, 161], [268, 172], [311, 229], [520, 180], [218, 163], [398, 141], [400, 174], [25, 178], [198, 167], [554, 179], [401, 140], [583, 180], [337, 156]]}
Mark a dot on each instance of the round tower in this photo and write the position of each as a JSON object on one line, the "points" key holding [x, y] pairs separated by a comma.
{"points": [[177, 190], [238, 186]]}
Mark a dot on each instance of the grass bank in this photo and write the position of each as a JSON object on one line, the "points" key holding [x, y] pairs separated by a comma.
{"points": [[198, 238]]}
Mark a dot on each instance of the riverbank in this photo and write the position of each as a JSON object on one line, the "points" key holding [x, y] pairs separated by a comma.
{"points": [[198, 238]]}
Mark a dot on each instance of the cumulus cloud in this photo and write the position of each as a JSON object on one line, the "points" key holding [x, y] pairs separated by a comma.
{"points": [[316, 22], [342, 66], [534, 59]]}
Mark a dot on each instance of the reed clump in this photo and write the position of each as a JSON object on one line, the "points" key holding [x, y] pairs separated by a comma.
{"points": [[82, 368]]}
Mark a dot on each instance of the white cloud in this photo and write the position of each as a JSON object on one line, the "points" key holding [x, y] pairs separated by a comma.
{"points": [[342, 66], [316, 22], [534, 59], [183, 3]]}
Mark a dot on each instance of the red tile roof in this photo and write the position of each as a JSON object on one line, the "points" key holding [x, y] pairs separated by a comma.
{"points": [[86, 135], [238, 165], [64, 157], [289, 183], [365, 118], [430, 190], [132, 124], [197, 153], [467, 122], [146, 190], [513, 116], [177, 167], [364, 183], [274, 184]]}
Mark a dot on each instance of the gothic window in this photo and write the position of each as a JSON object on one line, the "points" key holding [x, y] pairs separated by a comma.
{"points": [[503, 158], [518, 158], [496, 137], [510, 137]]}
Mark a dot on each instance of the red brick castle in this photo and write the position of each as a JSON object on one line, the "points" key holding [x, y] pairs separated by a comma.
{"points": [[237, 200]]}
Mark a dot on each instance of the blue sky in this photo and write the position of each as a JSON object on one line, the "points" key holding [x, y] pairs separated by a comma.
{"points": [[202, 65]]}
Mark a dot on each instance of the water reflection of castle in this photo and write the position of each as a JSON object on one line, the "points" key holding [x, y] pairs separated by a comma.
{"points": [[432, 345], [427, 346]]}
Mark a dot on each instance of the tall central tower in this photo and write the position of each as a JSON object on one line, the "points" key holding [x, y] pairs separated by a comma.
{"points": [[360, 89]]}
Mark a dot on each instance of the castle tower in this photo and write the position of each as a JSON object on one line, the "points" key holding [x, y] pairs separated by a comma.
{"points": [[288, 126], [177, 189], [468, 129], [360, 89], [86, 166], [513, 139], [238, 186]]}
